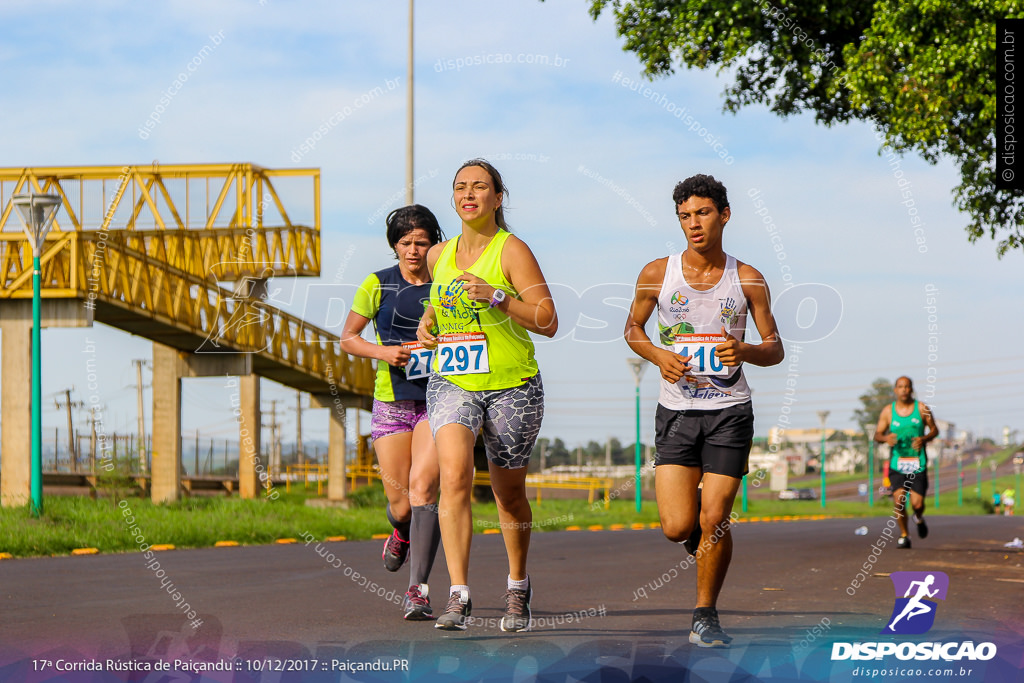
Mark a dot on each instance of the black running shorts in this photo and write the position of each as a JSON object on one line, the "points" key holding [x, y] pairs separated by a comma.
{"points": [[918, 483], [717, 441]]}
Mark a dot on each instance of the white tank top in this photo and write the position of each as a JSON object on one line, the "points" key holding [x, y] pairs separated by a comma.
{"points": [[692, 320]]}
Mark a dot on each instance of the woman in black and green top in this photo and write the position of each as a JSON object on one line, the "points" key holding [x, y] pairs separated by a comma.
{"points": [[907, 425], [393, 299]]}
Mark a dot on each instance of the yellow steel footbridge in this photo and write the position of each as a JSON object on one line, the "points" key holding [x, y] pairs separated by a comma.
{"points": [[179, 254]]}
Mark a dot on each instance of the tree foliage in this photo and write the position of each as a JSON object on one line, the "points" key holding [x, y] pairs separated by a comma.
{"points": [[922, 71], [878, 396]]}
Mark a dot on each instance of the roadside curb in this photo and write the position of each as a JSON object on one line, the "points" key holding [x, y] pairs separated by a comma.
{"points": [[635, 526]]}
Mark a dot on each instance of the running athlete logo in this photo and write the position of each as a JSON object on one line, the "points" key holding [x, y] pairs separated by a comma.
{"points": [[914, 613], [679, 298], [728, 313]]}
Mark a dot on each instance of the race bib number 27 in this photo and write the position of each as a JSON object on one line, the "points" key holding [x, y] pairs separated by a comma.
{"points": [[462, 354], [420, 360], [703, 357]]}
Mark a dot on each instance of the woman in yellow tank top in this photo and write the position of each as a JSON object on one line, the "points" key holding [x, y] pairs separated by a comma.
{"points": [[488, 292]]}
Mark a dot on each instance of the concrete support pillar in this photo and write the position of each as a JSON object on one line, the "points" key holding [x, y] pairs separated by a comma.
{"points": [[336, 482], [16, 417], [169, 367], [337, 404], [166, 452], [249, 436], [16, 391]]}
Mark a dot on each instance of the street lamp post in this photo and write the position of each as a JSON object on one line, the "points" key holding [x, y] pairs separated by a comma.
{"points": [[992, 467], [36, 212], [1016, 481], [823, 415], [871, 473], [637, 365], [977, 471], [409, 182], [959, 481]]}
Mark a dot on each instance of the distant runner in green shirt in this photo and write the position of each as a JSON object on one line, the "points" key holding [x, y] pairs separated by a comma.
{"points": [[907, 425]]}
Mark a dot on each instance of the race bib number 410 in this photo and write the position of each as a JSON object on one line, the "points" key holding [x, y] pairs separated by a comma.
{"points": [[420, 360], [701, 349], [462, 354]]}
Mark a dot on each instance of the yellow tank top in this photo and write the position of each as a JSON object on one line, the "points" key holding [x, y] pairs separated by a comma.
{"points": [[480, 348]]}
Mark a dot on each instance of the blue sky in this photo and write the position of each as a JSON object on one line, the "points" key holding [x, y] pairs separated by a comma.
{"points": [[542, 91]]}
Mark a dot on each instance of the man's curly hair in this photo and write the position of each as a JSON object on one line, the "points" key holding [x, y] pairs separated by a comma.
{"points": [[701, 185]]}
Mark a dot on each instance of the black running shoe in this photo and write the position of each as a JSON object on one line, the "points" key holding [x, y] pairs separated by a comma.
{"points": [[459, 607], [517, 609], [922, 528], [903, 542], [706, 631], [693, 540], [396, 551], [417, 603]]}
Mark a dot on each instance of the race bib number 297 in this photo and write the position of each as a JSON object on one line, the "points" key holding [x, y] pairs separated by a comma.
{"points": [[703, 357], [462, 354]]}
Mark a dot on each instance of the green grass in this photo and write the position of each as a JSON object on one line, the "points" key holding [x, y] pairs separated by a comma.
{"points": [[73, 522], [70, 523]]}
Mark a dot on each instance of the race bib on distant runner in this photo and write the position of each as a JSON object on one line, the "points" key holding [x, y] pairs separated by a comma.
{"points": [[419, 365], [908, 465], [701, 349], [462, 354]]}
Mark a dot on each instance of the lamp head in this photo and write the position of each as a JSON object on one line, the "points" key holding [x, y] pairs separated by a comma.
{"points": [[637, 365], [36, 212]]}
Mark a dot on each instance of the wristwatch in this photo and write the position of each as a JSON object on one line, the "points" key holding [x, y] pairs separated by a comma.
{"points": [[497, 297]]}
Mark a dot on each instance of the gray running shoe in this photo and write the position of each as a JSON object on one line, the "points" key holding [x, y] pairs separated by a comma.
{"points": [[517, 609], [459, 607], [417, 603], [903, 542], [706, 631]]}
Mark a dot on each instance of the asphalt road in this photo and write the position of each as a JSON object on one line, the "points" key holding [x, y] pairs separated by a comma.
{"points": [[614, 602]]}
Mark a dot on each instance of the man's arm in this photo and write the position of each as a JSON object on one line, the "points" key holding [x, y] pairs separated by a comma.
{"points": [[882, 433], [645, 300]]}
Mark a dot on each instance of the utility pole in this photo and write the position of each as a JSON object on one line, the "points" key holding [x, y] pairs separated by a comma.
{"points": [[608, 456], [72, 446], [139, 362], [300, 456], [92, 441], [272, 451]]}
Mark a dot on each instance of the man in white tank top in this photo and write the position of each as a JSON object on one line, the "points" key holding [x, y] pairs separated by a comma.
{"points": [[704, 422]]}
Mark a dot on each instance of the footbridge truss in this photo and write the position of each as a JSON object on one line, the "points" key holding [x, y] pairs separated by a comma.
{"points": [[179, 254]]}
